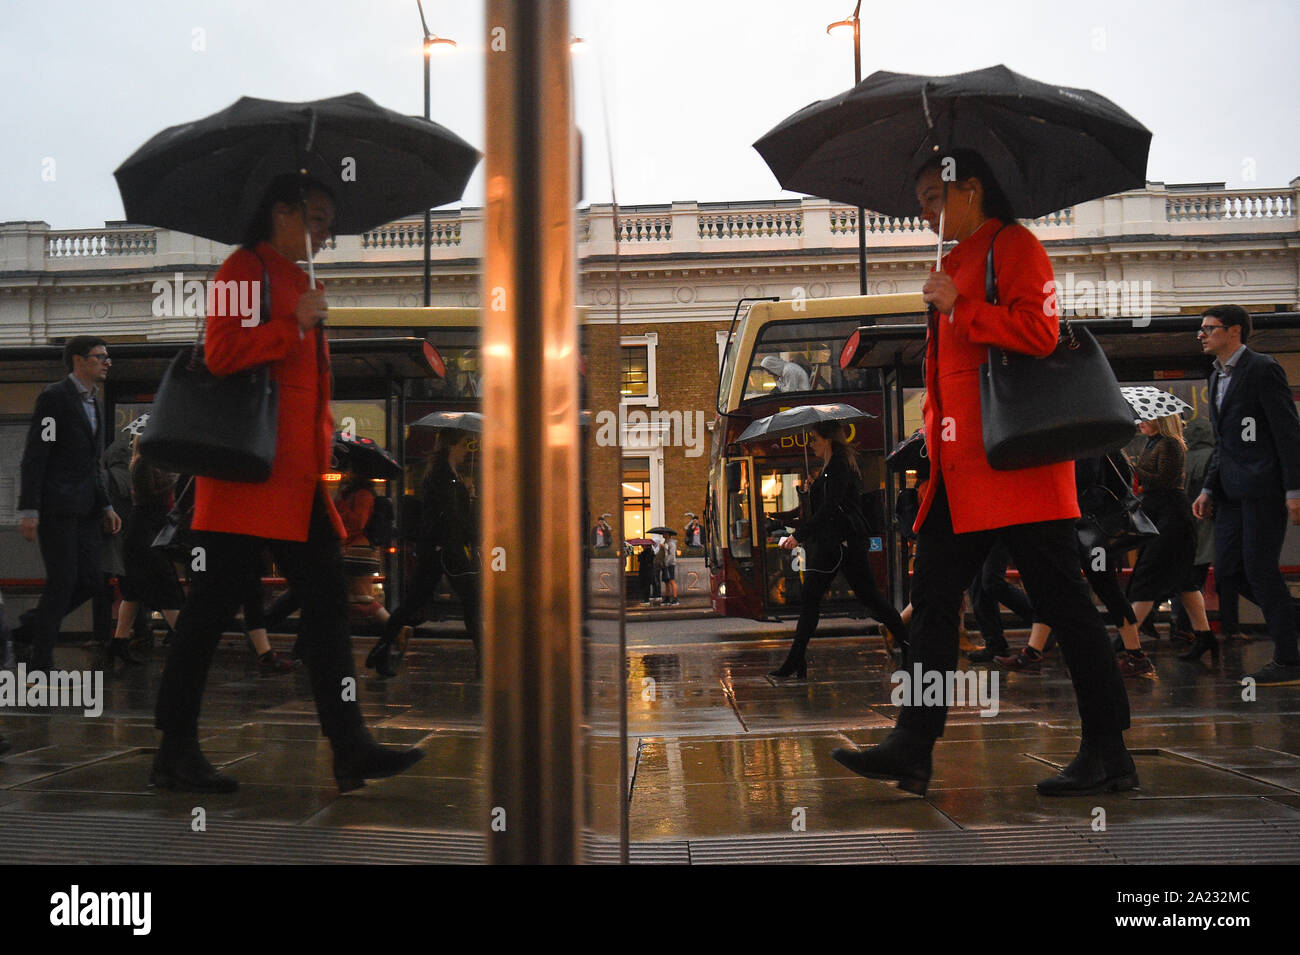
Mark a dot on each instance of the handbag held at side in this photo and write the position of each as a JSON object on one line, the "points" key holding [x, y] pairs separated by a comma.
{"points": [[1114, 523], [1040, 411], [214, 426]]}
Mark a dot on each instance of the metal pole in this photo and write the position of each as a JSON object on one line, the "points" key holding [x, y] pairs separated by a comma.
{"points": [[862, 213], [531, 452], [428, 221]]}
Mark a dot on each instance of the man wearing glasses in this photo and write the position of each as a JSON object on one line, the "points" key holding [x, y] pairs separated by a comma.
{"points": [[1253, 482], [63, 501]]}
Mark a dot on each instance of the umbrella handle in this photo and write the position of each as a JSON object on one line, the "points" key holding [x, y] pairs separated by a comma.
{"points": [[311, 263]]}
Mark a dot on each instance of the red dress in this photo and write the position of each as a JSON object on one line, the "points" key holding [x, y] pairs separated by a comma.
{"points": [[979, 497], [279, 508]]}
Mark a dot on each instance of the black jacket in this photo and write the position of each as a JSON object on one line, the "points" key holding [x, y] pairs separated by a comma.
{"points": [[834, 505], [63, 476], [1257, 432], [447, 519]]}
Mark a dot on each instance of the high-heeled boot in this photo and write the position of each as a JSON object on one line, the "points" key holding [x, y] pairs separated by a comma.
{"points": [[904, 756], [357, 757], [1103, 764], [795, 666], [1204, 640]]}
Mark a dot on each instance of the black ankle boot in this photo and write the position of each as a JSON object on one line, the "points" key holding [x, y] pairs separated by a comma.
{"points": [[357, 757], [1103, 764], [179, 764], [1204, 640], [120, 650], [904, 756], [795, 665]]}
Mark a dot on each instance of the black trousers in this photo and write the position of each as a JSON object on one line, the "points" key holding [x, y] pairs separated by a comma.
{"points": [[315, 572], [853, 561], [1047, 554], [71, 548], [989, 589], [424, 584], [1248, 536]]}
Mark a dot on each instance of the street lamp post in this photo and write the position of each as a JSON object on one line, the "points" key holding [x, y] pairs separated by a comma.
{"points": [[431, 40], [855, 23]]}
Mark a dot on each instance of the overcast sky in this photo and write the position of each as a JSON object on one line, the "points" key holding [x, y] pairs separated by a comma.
{"points": [[689, 84]]}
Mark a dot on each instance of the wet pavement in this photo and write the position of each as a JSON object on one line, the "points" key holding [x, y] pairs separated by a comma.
{"points": [[717, 751]]}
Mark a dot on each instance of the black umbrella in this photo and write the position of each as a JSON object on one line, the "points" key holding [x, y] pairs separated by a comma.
{"points": [[207, 177], [798, 420], [363, 457], [1048, 146], [470, 421], [662, 530]]}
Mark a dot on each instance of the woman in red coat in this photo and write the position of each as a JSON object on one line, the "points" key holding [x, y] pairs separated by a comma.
{"points": [[967, 505], [290, 513]]}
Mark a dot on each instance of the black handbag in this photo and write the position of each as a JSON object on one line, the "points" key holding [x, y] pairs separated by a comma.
{"points": [[173, 537], [1040, 411], [217, 427], [1114, 522]]}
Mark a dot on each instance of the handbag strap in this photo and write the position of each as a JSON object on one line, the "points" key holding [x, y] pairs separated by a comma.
{"points": [[990, 275]]}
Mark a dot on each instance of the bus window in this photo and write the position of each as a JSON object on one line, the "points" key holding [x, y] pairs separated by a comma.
{"points": [[803, 357], [739, 530]]}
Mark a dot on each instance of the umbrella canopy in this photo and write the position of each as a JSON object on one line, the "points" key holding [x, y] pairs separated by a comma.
{"points": [[910, 454], [798, 420], [207, 177], [663, 530], [1048, 146], [136, 427], [363, 457], [1150, 403], [470, 421]]}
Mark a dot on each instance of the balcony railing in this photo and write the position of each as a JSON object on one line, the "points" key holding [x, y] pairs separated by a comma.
{"points": [[684, 228]]}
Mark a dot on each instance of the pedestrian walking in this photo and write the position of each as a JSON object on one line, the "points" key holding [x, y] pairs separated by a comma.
{"points": [[1164, 564], [968, 505], [290, 514], [1253, 483], [833, 533], [63, 501]]}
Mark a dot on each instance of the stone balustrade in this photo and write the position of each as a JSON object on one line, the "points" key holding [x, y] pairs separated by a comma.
{"points": [[682, 228]]}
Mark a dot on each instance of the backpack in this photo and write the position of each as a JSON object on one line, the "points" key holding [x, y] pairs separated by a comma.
{"points": [[381, 528], [661, 558]]}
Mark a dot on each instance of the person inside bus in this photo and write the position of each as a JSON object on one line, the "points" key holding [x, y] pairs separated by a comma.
{"points": [[447, 544], [289, 513], [789, 375], [968, 505], [834, 536]]}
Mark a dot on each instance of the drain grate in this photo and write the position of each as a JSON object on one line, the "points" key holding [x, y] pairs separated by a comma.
{"points": [[42, 837]]}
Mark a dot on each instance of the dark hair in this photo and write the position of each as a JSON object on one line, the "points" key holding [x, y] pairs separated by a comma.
{"points": [[833, 432], [1231, 315], [79, 345], [971, 165], [291, 189]]}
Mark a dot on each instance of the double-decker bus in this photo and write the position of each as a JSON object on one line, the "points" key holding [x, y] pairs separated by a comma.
{"points": [[750, 576]]}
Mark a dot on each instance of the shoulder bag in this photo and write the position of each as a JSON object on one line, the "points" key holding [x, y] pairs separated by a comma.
{"points": [[1040, 411], [214, 426], [1112, 521]]}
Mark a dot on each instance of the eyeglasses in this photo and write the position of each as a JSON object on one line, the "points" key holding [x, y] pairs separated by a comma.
{"points": [[1207, 330], [100, 356]]}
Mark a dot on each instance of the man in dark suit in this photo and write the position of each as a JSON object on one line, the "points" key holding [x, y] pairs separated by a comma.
{"points": [[1253, 482], [63, 501]]}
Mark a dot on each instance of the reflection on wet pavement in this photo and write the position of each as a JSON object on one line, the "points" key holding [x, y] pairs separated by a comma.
{"points": [[715, 748]]}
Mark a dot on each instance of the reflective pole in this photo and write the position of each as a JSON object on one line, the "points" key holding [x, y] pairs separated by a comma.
{"points": [[530, 480]]}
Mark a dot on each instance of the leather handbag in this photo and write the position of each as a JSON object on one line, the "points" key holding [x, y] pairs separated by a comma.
{"points": [[1040, 411], [173, 537], [214, 426], [1114, 522]]}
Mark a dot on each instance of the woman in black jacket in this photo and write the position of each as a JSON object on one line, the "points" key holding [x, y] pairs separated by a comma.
{"points": [[447, 542], [834, 538]]}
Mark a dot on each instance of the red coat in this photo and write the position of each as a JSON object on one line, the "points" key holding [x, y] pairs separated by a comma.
{"points": [[979, 497], [279, 508]]}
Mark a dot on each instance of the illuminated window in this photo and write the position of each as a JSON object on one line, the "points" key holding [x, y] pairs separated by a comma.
{"points": [[638, 385], [636, 497]]}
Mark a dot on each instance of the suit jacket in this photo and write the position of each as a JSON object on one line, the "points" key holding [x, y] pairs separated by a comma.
{"points": [[1026, 321], [1257, 432], [279, 508], [63, 476]]}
